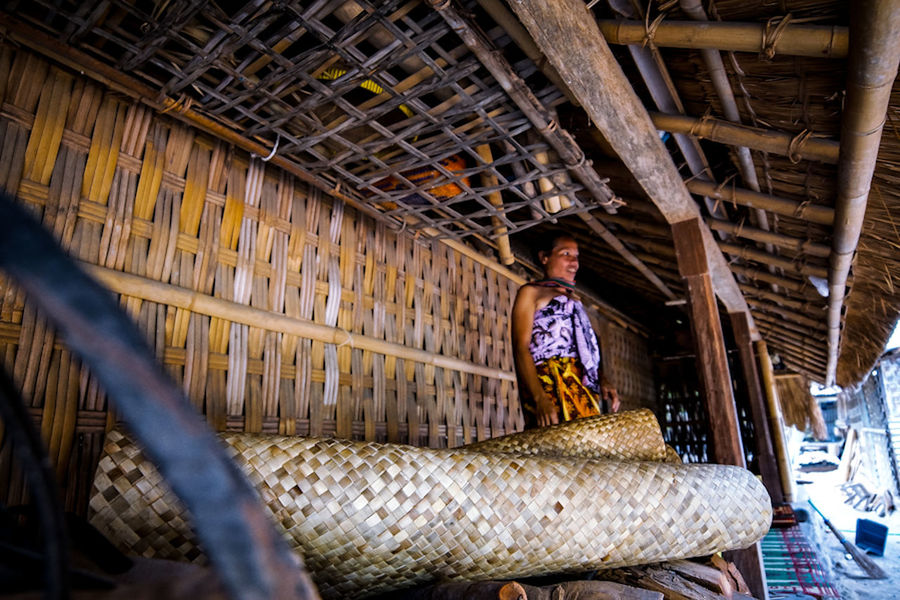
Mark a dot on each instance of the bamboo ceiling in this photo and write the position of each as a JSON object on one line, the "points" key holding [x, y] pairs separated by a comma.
{"points": [[384, 104]]}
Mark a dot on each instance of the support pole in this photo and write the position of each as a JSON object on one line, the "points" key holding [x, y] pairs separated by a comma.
{"points": [[768, 468], [776, 425], [709, 342]]}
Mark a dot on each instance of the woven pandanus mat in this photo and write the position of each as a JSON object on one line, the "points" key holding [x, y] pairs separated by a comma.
{"points": [[368, 518], [630, 435]]}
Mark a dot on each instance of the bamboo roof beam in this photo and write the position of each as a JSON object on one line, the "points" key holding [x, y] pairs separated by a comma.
{"points": [[807, 352], [783, 300], [871, 71], [780, 321], [795, 147], [814, 213], [820, 41], [770, 259], [800, 287], [803, 353], [567, 34], [795, 339], [796, 317], [770, 237]]}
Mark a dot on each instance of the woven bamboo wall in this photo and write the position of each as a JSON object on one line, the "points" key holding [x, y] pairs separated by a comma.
{"points": [[142, 194]]}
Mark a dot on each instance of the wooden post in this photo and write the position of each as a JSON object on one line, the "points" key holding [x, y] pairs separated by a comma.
{"points": [[768, 468], [712, 362]]}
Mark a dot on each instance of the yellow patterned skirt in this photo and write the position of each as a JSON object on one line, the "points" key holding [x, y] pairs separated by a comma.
{"points": [[561, 380]]}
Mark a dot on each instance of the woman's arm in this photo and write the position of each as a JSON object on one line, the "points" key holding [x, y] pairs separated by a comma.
{"points": [[526, 373]]}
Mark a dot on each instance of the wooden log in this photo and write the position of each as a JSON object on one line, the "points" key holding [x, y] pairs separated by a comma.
{"points": [[705, 575], [465, 590], [657, 578], [709, 342], [590, 590], [749, 563], [795, 39]]}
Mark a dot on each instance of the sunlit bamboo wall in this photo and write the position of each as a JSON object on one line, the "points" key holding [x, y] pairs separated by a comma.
{"points": [[144, 195]]}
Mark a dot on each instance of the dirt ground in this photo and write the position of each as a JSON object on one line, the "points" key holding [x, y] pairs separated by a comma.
{"points": [[850, 580]]}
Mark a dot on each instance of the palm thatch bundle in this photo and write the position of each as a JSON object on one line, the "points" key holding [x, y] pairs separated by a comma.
{"points": [[798, 407]]}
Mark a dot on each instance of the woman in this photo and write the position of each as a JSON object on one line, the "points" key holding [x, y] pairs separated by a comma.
{"points": [[555, 349]]}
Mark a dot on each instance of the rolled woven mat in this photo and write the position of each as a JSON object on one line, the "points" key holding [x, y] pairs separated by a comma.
{"points": [[369, 518], [629, 435]]}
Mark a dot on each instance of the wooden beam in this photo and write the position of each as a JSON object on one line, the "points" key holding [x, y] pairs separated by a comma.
{"points": [[567, 34], [709, 343], [770, 237], [814, 213], [755, 138], [768, 468], [821, 41]]}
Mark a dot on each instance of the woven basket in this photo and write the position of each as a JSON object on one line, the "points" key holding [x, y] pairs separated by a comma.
{"points": [[368, 518]]}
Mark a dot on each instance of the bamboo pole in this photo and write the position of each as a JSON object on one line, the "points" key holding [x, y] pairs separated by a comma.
{"points": [[828, 41], [813, 213], [764, 140], [871, 71], [164, 293], [803, 307], [770, 237], [815, 324], [801, 287], [552, 204], [776, 424], [773, 260], [489, 180]]}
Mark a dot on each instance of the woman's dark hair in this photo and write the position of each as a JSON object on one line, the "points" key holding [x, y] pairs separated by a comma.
{"points": [[546, 243]]}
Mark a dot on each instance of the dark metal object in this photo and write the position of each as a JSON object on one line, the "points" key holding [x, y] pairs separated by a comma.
{"points": [[250, 556], [38, 474]]}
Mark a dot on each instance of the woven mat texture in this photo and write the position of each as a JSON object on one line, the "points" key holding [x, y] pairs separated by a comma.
{"points": [[368, 518], [629, 435]]}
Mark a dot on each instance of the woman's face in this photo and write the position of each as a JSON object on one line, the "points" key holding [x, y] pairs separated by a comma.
{"points": [[562, 262]]}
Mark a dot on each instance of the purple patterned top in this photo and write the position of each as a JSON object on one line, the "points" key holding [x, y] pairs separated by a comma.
{"points": [[562, 329]]}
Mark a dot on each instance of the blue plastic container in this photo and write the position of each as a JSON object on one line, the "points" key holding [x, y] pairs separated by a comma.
{"points": [[871, 536]]}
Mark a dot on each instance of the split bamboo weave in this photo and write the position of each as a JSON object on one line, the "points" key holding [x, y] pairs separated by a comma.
{"points": [[629, 435], [369, 517]]}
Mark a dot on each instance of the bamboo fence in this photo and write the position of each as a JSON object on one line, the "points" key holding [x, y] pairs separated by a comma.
{"points": [[279, 309]]}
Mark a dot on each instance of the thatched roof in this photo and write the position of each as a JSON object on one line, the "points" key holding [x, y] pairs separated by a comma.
{"points": [[379, 103]]}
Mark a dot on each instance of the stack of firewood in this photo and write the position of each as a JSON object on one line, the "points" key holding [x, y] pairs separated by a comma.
{"points": [[715, 579]]}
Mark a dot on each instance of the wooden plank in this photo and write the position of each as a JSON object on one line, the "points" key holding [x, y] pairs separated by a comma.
{"points": [[709, 342]]}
